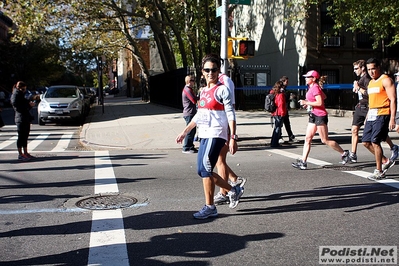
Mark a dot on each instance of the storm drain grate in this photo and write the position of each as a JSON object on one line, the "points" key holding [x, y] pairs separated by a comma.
{"points": [[343, 167], [106, 202]]}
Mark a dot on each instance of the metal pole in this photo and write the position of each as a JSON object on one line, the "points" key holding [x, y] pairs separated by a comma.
{"points": [[100, 82], [224, 36]]}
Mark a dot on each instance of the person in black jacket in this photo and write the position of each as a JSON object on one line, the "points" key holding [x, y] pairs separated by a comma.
{"points": [[23, 119]]}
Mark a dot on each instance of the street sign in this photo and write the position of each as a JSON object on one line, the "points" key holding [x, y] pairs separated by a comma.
{"points": [[219, 11], [240, 2]]}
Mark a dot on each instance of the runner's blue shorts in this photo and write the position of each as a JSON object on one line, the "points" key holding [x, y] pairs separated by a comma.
{"points": [[377, 130], [208, 154]]}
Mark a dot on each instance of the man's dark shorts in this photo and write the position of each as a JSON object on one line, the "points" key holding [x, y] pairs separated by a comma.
{"points": [[377, 130], [359, 117], [318, 120]]}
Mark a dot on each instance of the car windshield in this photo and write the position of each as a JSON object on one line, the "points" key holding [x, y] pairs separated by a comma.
{"points": [[61, 93]]}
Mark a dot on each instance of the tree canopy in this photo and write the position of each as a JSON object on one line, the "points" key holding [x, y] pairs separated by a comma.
{"points": [[182, 30], [379, 18]]}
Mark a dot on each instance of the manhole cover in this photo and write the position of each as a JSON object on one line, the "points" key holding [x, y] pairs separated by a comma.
{"points": [[106, 202], [343, 167]]}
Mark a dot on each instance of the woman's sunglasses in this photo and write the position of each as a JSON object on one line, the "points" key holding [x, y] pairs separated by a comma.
{"points": [[213, 70]]}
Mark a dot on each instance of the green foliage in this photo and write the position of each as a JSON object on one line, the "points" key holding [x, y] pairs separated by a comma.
{"points": [[35, 63], [379, 18]]}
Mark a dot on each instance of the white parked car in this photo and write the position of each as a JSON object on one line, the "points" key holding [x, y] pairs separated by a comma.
{"points": [[61, 103]]}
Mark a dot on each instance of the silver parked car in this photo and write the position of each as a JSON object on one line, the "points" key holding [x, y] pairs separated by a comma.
{"points": [[60, 103]]}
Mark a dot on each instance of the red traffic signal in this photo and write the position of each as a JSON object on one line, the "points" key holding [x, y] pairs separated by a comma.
{"points": [[247, 48]]}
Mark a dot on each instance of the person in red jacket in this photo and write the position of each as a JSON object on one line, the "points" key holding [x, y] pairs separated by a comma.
{"points": [[278, 115]]}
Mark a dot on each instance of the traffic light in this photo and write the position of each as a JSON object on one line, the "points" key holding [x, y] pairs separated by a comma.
{"points": [[247, 48], [229, 48]]}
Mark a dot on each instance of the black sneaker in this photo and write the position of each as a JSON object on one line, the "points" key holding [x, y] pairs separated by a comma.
{"points": [[300, 164], [353, 157]]}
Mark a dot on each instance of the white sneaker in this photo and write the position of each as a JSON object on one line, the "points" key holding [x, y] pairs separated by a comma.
{"points": [[235, 194], [239, 182], [387, 165], [219, 198], [377, 175]]}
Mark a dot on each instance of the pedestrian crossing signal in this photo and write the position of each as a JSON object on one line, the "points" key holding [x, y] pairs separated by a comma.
{"points": [[247, 48]]}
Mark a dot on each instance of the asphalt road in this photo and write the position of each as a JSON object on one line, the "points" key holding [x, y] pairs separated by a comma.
{"points": [[284, 216]]}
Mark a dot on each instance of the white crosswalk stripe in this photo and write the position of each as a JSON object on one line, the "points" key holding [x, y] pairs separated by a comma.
{"points": [[36, 142], [8, 141], [63, 143]]}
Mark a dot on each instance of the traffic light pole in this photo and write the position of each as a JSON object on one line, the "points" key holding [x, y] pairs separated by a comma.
{"points": [[224, 36]]}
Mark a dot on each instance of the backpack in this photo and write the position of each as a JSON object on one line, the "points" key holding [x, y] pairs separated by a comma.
{"points": [[270, 105]]}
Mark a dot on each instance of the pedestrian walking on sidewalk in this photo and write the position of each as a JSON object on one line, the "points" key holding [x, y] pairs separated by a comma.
{"points": [[380, 117], [279, 114], [189, 100], [215, 117], [318, 119], [23, 119], [286, 118], [224, 170]]}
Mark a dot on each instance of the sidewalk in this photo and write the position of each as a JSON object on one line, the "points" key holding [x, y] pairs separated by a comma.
{"points": [[129, 123]]}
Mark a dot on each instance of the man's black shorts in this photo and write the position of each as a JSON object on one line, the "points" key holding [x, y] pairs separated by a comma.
{"points": [[359, 117]]}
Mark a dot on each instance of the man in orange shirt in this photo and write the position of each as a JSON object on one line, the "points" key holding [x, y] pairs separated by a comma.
{"points": [[380, 117]]}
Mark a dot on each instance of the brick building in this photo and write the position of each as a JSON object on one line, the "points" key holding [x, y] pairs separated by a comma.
{"points": [[128, 74]]}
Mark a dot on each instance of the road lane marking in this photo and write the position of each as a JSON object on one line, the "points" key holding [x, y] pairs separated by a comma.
{"points": [[60, 210], [8, 142], [37, 141], [296, 156], [107, 238], [387, 181], [8, 212], [105, 181], [63, 143]]}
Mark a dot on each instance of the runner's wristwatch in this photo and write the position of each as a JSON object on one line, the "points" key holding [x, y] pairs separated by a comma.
{"points": [[235, 137]]}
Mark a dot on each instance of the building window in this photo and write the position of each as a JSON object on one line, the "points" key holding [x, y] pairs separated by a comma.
{"points": [[332, 76], [332, 41], [364, 41], [327, 24]]}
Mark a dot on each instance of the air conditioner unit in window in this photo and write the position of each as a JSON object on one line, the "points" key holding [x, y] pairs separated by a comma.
{"points": [[334, 41]]}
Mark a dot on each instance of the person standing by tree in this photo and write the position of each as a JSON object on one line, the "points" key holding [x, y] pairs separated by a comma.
{"points": [[318, 119], [189, 100], [380, 117], [23, 119]]}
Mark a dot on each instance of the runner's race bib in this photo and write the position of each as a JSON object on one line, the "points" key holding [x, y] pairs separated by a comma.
{"points": [[372, 115]]}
